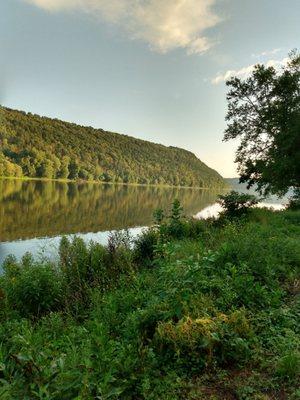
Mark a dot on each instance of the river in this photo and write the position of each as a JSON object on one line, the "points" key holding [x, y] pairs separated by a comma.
{"points": [[35, 214]]}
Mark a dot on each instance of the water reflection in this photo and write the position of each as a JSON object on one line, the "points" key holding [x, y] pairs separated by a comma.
{"points": [[34, 214], [30, 209]]}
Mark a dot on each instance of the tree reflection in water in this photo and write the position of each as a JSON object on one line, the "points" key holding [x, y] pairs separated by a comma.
{"points": [[30, 209]]}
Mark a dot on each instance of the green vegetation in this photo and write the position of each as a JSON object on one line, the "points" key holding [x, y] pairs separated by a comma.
{"points": [[190, 310], [237, 204], [33, 146], [264, 112]]}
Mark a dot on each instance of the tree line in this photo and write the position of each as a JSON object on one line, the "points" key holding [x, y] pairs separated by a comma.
{"points": [[34, 146]]}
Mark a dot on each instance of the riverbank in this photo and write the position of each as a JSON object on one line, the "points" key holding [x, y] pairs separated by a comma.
{"points": [[82, 181], [195, 310]]}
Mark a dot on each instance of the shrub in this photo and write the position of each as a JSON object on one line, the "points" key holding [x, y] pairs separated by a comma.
{"points": [[88, 266], [144, 247], [175, 227], [32, 289], [120, 255], [219, 311], [288, 366], [158, 216], [170, 227], [195, 228], [200, 342], [236, 204], [75, 265], [119, 240]]}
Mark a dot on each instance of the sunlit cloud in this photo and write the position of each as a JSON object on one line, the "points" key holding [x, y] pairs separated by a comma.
{"points": [[246, 71], [163, 24]]}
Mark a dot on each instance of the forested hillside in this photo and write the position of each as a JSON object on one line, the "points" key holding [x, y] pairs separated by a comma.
{"points": [[34, 146]]}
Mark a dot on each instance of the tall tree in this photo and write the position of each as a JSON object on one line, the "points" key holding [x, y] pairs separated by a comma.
{"points": [[264, 113]]}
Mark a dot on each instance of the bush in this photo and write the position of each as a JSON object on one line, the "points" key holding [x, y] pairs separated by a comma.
{"points": [[144, 247], [220, 310], [288, 366], [236, 204], [120, 255], [196, 228], [175, 227], [89, 266], [201, 342], [32, 289], [172, 226], [75, 266]]}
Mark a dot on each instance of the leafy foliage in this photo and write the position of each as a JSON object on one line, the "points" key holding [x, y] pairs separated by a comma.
{"points": [[264, 112], [236, 204], [294, 203], [215, 317], [34, 146], [31, 289]]}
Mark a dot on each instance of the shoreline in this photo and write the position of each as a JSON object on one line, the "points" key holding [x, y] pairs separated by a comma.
{"points": [[81, 181]]}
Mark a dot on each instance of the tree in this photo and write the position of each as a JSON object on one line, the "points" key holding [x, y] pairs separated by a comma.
{"points": [[73, 169], [82, 152], [236, 204], [106, 177], [27, 166], [47, 170], [8, 168], [84, 174], [264, 112], [64, 168]]}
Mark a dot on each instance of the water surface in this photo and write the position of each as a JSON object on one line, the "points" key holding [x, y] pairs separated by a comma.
{"points": [[35, 214]]}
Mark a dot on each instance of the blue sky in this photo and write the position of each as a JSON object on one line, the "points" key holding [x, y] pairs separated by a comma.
{"points": [[153, 69]]}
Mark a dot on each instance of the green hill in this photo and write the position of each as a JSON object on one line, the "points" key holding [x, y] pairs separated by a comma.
{"points": [[40, 147]]}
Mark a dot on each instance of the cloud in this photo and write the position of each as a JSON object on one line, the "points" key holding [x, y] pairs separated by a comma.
{"points": [[55, 5], [164, 24], [246, 71], [267, 53]]}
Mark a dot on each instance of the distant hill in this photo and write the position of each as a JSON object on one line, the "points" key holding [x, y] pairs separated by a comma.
{"points": [[234, 184], [34, 146]]}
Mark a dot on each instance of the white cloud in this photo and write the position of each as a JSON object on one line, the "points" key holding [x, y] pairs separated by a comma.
{"points": [[246, 71], [267, 53], [55, 5], [199, 45], [163, 24]]}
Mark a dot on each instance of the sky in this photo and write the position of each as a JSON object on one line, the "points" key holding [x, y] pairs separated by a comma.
{"points": [[152, 69]]}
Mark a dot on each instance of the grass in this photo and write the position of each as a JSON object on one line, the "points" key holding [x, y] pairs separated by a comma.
{"points": [[192, 310]]}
